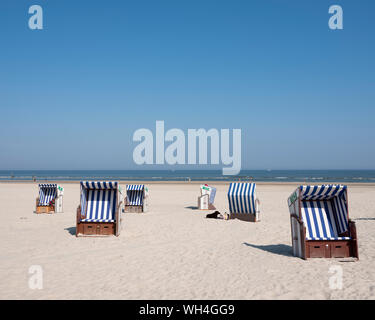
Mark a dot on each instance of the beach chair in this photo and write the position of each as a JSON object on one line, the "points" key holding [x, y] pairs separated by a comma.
{"points": [[243, 202], [207, 198], [50, 199], [320, 223], [137, 197], [99, 213]]}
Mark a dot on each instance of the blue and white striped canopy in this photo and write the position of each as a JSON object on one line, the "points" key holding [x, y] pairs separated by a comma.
{"points": [[135, 187], [324, 211], [324, 220], [47, 193], [98, 201], [99, 185], [321, 192], [134, 193], [241, 197]]}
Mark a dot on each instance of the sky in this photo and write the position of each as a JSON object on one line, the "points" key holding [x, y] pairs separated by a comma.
{"points": [[73, 93]]}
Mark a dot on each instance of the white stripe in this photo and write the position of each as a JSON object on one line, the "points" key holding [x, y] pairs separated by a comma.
{"points": [[94, 203], [331, 215], [105, 205], [89, 204], [252, 197], [111, 204], [100, 205]]}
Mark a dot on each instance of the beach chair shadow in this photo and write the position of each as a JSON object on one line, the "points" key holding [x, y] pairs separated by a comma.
{"points": [[280, 249], [192, 207], [71, 230]]}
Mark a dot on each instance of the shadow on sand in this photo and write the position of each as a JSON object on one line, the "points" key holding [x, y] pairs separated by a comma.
{"points": [[280, 249], [192, 207], [365, 219], [71, 230]]}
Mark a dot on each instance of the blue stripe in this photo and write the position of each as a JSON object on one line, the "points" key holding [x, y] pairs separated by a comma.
{"points": [[325, 234], [241, 197], [230, 198], [306, 191], [97, 209], [114, 204], [236, 198]]}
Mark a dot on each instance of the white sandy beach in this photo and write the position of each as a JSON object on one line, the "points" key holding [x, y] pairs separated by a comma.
{"points": [[173, 252]]}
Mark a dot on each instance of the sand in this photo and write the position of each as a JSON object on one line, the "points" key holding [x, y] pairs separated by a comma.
{"points": [[173, 252]]}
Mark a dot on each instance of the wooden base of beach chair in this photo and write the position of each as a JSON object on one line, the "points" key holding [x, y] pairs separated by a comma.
{"points": [[328, 249], [134, 209], [243, 217], [332, 248], [96, 229], [45, 209]]}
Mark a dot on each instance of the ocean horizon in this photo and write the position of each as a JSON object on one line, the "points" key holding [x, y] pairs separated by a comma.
{"points": [[316, 176]]}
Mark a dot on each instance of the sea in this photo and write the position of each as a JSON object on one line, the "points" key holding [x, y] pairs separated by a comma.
{"points": [[313, 176]]}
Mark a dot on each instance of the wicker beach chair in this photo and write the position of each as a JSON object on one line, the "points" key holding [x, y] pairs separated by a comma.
{"points": [[99, 213], [320, 223], [137, 196], [243, 202], [50, 199], [207, 198]]}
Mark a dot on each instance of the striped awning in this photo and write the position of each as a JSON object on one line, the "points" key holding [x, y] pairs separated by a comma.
{"points": [[134, 193], [321, 192], [98, 201], [99, 185], [47, 185], [135, 187], [241, 197], [47, 193]]}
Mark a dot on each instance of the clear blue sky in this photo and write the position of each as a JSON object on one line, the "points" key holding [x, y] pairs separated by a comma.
{"points": [[72, 94]]}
